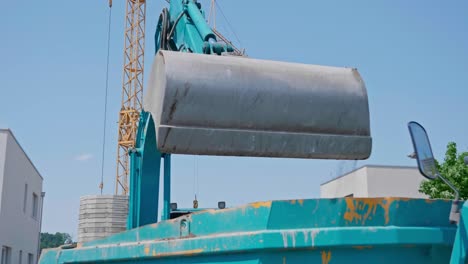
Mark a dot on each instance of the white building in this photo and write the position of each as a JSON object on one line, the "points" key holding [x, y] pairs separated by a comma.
{"points": [[21, 199], [375, 181]]}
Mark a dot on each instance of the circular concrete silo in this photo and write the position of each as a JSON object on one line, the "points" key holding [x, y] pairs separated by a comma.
{"points": [[101, 216]]}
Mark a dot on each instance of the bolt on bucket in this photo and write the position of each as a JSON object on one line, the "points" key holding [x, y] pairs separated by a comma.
{"points": [[237, 106]]}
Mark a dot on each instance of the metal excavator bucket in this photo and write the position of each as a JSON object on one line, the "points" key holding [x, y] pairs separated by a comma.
{"points": [[238, 106]]}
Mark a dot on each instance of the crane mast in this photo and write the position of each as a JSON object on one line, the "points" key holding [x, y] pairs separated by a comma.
{"points": [[132, 88]]}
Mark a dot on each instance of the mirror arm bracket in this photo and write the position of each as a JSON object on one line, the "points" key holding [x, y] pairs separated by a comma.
{"points": [[455, 209]]}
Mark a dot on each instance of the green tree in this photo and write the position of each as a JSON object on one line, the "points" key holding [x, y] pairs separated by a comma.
{"points": [[53, 240], [453, 169]]}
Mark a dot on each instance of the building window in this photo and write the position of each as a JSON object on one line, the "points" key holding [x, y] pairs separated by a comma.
{"points": [[20, 258], [30, 258], [25, 200], [6, 255], [35, 203]]}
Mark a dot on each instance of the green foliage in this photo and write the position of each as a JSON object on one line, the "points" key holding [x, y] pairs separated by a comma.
{"points": [[453, 169], [53, 240]]}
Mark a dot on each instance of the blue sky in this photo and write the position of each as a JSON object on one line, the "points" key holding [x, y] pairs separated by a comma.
{"points": [[412, 55]]}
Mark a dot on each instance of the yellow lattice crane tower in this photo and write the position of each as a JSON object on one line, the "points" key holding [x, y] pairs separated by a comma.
{"points": [[132, 88]]}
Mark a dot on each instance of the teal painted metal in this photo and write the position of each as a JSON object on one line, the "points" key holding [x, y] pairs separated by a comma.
{"points": [[460, 247], [145, 167], [191, 32], [199, 21], [167, 187], [145, 164], [367, 230]]}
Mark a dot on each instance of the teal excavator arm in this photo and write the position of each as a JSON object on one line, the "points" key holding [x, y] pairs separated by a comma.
{"points": [[182, 28], [203, 98]]}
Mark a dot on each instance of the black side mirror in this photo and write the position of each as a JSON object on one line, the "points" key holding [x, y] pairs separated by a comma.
{"points": [[423, 151], [427, 166]]}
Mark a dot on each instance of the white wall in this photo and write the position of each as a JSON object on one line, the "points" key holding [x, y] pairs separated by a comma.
{"points": [[18, 229], [394, 182], [354, 183], [376, 181], [3, 145]]}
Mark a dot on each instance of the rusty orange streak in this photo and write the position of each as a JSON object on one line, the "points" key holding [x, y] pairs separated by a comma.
{"points": [[179, 253], [326, 256], [260, 204], [356, 208]]}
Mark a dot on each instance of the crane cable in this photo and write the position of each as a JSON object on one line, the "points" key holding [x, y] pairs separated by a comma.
{"points": [[229, 24], [101, 185]]}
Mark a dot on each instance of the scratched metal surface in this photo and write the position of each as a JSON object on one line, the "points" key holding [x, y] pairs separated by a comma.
{"points": [[221, 105], [377, 230]]}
